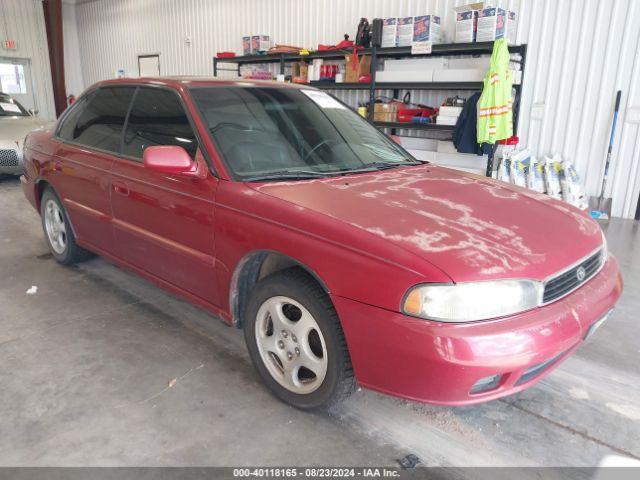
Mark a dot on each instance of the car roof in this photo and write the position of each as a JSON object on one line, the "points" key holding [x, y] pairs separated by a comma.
{"points": [[198, 81]]}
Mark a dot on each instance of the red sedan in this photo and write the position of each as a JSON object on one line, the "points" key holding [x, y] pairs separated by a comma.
{"points": [[344, 259]]}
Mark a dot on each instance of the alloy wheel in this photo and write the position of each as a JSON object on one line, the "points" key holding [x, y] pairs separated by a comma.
{"points": [[55, 226], [291, 345]]}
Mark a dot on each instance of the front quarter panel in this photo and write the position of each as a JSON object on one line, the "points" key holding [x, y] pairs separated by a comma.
{"points": [[352, 263]]}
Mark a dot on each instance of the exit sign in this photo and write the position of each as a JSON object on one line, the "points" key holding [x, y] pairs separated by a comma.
{"points": [[9, 44]]}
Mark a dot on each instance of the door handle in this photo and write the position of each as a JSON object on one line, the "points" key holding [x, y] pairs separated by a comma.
{"points": [[120, 187]]}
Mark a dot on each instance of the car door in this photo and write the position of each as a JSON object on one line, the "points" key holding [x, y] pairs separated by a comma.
{"points": [[90, 136], [163, 223]]}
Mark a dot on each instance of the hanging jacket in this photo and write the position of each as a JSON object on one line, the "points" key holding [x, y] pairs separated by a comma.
{"points": [[465, 133], [495, 113]]}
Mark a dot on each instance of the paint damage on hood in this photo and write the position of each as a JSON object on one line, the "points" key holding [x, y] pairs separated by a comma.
{"points": [[471, 227]]}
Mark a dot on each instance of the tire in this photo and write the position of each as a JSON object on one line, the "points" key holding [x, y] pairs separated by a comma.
{"points": [[58, 231], [295, 341]]}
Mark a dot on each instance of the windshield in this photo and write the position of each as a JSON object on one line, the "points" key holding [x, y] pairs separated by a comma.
{"points": [[11, 108], [270, 132]]}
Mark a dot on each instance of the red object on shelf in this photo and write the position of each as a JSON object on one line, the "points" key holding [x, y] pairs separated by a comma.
{"points": [[509, 141], [225, 54], [407, 114], [365, 78], [340, 46]]}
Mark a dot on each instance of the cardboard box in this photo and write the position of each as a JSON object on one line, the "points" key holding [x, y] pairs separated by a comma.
{"points": [[466, 26], [314, 71], [471, 6], [511, 27], [390, 107], [260, 43], [448, 111], [384, 116], [411, 64], [303, 70], [446, 120], [385, 112], [389, 32], [459, 75], [418, 75], [482, 62], [426, 28], [404, 32], [446, 146], [362, 67], [491, 24]]}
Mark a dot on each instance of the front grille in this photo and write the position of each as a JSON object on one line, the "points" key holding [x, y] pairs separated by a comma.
{"points": [[571, 279], [8, 158]]}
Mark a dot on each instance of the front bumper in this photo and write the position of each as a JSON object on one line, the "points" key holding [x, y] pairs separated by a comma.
{"points": [[439, 363]]}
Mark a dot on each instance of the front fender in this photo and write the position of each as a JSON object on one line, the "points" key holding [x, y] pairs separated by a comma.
{"points": [[350, 262]]}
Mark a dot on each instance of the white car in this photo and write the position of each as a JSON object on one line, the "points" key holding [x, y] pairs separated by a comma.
{"points": [[15, 123]]}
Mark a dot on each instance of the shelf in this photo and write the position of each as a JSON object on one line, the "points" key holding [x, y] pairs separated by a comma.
{"points": [[416, 126], [476, 86], [476, 48], [447, 49], [324, 85]]}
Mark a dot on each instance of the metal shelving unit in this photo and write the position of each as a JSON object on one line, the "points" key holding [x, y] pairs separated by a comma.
{"points": [[450, 49], [416, 126]]}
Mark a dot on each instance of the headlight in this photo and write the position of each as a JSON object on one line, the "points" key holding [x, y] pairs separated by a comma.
{"points": [[467, 302]]}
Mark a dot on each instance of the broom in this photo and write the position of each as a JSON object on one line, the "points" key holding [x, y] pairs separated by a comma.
{"points": [[602, 209]]}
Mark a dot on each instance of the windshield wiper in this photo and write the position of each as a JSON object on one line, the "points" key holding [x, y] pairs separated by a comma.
{"points": [[375, 166], [287, 175]]}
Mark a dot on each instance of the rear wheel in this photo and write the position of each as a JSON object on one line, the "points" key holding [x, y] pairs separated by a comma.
{"points": [[57, 231], [296, 342]]}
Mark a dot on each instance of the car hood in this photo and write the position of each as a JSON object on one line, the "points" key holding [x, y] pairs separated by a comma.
{"points": [[471, 227], [14, 129]]}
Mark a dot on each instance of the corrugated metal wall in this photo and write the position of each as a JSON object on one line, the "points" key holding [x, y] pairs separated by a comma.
{"points": [[580, 53], [74, 82], [23, 21]]}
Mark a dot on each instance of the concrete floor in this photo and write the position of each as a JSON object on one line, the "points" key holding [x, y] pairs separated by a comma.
{"points": [[85, 365]]}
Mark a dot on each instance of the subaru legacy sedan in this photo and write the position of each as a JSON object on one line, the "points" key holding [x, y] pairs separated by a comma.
{"points": [[345, 260]]}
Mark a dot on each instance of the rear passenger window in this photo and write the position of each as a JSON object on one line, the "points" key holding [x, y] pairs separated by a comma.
{"points": [[71, 119], [157, 118], [98, 123]]}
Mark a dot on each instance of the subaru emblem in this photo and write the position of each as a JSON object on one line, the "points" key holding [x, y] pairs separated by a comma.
{"points": [[581, 273]]}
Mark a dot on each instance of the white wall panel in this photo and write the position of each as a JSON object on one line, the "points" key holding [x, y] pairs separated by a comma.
{"points": [[74, 82], [23, 21], [580, 53]]}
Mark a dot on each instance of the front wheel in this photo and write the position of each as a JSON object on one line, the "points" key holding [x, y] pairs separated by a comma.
{"points": [[295, 341]]}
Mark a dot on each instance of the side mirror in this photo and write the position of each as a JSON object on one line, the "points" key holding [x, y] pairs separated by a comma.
{"points": [[33, 112], [172, 160]]}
